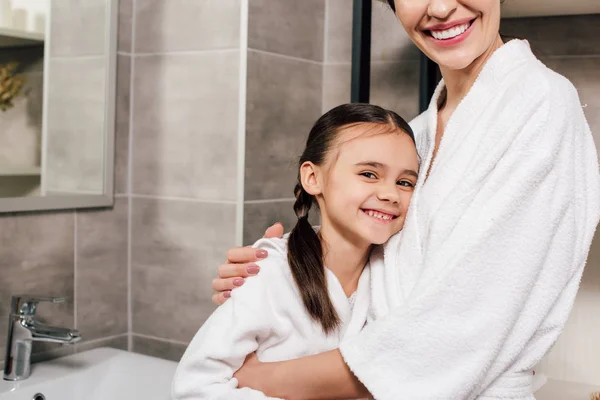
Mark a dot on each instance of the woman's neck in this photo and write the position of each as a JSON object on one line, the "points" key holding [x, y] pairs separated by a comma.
{"points": [[345, 257], [459, 82]]}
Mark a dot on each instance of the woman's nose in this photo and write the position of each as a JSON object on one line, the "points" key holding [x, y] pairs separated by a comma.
{"points": [[441, 9]]}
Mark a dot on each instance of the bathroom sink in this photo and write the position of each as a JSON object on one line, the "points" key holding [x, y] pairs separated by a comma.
{"points": [[99, 374]]}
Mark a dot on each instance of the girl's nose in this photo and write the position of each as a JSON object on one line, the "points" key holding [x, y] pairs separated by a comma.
{"points": [[441, 9], [388, 193]]}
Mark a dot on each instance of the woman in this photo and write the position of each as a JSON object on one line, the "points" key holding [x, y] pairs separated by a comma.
{"points": [[496, 237]]}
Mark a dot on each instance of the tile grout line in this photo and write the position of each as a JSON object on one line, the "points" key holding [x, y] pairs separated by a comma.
{"points": [[159, 339], [130, 180], [266, 201], [75, 265], [185, 52], [190, 200], [241, 142], [325, 52], [283, 56]]}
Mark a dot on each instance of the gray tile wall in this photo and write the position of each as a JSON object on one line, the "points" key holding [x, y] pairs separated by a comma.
{"points": [[181, 158], [284, 99]]}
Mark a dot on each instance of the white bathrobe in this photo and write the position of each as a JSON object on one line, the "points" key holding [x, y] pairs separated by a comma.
{"points": [[265, 315], [480, 282]]}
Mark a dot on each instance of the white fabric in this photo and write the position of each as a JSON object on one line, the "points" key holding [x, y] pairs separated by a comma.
{"points": [[478, 286], [265, 315]]}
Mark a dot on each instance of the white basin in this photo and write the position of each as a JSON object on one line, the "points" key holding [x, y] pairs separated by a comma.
{"points": [[99, 374]]}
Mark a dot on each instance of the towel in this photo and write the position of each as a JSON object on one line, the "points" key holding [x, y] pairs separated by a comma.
{"points": [[479, 284]]}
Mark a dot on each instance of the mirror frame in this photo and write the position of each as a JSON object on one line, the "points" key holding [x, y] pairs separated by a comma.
{"points": [[106, 199]]}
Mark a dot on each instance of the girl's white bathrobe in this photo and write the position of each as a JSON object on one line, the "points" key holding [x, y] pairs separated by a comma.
{"points": [[265, 315], [481, 280]]}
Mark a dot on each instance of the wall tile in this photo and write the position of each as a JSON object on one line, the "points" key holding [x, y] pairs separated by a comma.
{"points": [[289, 27], [75, 153], [389, 41], [396, 86], [124, 30], [176, 247], [283, 103], [557, 36], [336, 85], [393, 85], [259, 216], [182, 103], [78, 28], [102, 271], [158, 348], [177, 25], [122, 124], [36, 257]]}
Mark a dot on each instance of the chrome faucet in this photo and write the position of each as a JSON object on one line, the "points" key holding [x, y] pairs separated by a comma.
{"points": [[23, 329]]}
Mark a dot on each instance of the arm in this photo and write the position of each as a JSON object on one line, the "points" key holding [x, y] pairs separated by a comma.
{"points": [[322, 376], [241, 263], [219, 348]]}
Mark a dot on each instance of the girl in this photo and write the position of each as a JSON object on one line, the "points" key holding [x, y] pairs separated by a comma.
{"points": [[359, 168], [496, 238]]}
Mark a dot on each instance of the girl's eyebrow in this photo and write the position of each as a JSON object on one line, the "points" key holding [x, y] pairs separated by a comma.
{"points": [[376, 164], [373, 164]]}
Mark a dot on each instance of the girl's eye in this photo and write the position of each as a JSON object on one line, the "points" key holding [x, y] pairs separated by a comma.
{"points": [[369, 175], [405, 183]]}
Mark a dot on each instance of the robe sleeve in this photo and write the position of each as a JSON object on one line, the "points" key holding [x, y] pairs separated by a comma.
{"points": [[496, 293], [231, 333]]}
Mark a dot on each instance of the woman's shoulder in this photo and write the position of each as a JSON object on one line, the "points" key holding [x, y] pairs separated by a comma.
{"points": [[545, 83]]}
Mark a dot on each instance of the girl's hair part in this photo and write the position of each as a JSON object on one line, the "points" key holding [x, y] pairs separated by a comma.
{"points": [[305, 251]]}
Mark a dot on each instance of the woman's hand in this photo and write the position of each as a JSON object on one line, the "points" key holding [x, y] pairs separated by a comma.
{"points": [[241, 263], [253, 374]]}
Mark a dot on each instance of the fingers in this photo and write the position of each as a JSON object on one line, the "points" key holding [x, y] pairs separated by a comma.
{"points": [[220, 298], [274, 231], [223, 285], [237, 270], [237, 255]]}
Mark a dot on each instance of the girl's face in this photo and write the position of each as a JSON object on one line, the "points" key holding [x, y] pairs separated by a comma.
{"points": [[452, 33], [367, 183]]}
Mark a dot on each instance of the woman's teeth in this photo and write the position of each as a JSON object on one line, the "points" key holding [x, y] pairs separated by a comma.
{"points": [[450, 33], [378, 215]]}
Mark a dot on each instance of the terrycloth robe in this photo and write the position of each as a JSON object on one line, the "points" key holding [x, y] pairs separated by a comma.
{"points": [[265, 315], [480, 282]]}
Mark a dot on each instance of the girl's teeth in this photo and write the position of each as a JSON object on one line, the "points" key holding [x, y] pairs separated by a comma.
{"points": [[378, 215], [450, 33]]}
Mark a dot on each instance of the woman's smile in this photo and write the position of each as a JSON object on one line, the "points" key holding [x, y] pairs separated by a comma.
{"points": [[452, 33]]}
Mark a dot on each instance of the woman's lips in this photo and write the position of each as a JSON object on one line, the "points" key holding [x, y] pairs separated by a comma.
{"points": [[450, 34]]}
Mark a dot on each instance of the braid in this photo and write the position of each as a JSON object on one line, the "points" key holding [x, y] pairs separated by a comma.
{"points": [[303, 202]]}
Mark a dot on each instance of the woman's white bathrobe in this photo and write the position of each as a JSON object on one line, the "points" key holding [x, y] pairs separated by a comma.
{"points": [[480, 282], [265, 315]]}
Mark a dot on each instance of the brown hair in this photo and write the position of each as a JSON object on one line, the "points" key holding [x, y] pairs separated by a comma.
{"points": [[305, 251]]}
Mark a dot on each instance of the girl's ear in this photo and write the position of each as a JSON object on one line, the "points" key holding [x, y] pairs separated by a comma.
{"points": [[310, 178]]}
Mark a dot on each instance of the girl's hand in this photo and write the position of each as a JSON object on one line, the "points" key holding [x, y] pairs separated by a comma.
{"points": [[241, 263]]}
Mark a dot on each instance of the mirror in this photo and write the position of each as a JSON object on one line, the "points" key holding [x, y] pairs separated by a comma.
{"points": [[57, 100]]}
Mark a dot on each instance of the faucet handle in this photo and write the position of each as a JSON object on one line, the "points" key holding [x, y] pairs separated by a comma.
{"points": [[26, 305]]}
